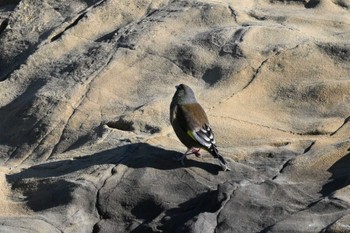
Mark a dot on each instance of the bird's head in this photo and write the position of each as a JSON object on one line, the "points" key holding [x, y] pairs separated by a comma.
{"points": [[184, 94]]}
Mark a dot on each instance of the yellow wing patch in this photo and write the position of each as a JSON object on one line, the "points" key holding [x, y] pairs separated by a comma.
{"points": [[189, 132]]}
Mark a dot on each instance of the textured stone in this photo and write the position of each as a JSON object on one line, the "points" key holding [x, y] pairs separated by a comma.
{"points": [[86, 144]]}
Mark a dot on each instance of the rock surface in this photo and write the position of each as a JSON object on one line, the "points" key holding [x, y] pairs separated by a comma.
{"points": [[85, 142]]}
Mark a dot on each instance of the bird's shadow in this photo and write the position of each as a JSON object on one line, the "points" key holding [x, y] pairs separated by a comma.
{"points": [[137, 155]]}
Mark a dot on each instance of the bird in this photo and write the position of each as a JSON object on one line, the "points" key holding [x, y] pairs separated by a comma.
{"points": [[191, 125]]}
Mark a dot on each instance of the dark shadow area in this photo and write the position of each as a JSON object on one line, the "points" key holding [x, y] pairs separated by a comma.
{"points": [[107, 37], [185, 59], [47, 194], [15, 119], [336, 51], [340, 176], [43, 187], [182, 218], [3, 25], [14, 61], [138, 155], [147, 209], [13, 3], [19, 126]]}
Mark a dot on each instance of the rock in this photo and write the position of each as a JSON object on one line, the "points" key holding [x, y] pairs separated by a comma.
{"points": [[86, 144]]}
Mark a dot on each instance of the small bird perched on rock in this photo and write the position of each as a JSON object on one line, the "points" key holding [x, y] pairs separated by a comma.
{"points": [[191, 125]]}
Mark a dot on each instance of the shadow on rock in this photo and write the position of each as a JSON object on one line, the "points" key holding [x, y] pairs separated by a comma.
{"points": [[17, 119], [187, 215], [42, 195], [340, 175], [138, 155]]}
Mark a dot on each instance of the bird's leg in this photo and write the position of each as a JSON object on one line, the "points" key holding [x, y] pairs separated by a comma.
{"points": [[182, 157], [194, 151]]}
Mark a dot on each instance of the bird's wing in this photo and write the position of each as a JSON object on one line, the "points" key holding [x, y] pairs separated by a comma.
{"points": [[193, 120], [204, 136], [195, 124]]}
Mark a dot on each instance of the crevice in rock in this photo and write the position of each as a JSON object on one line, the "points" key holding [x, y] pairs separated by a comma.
{"points": [[307, 149], [168, 59], [233, 13], [98, 4], [51, 224], [240, 33], [342, 4], [75, 22], [185, 216], [24, 159], [125, 45], [224, 203], [325, 229], [287, 163], [100, 211], [232, 48], [256, 16], [3, 25], [63, 130], [257, 124], [107, 37], [257, 71], [102, 214], [345, 122]]}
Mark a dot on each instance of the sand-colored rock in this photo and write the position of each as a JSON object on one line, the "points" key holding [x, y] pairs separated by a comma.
{"points": [[85, 139]]}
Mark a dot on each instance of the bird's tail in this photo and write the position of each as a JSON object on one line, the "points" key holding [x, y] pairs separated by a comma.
{"points": [[214, 151]]}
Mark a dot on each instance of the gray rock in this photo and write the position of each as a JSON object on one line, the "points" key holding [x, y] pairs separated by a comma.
{"points": [[86, 144]]}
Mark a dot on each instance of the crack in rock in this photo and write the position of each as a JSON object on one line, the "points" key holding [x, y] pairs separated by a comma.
{"points": [[100, 212], [345, 122], [307, 149]]}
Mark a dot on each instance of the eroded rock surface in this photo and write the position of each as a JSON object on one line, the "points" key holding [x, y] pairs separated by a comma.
{"points": [[85, 142]]}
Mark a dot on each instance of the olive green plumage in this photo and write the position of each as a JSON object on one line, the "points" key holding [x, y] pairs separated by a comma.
{"points": [[191, 124]]}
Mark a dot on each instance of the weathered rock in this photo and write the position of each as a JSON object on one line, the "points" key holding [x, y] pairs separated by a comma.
{"points": [[85, 142]]}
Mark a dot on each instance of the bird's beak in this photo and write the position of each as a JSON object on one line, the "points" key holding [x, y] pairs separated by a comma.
{"points": [[176, 86]]}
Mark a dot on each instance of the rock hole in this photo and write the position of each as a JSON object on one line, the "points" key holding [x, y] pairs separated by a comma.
{"points": [[121, 124], [212, 76], [3, 25], [151, 129], [312, 3]]}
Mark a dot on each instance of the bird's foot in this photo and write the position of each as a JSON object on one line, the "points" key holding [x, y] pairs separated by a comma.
{"points": [[196, 152]]}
